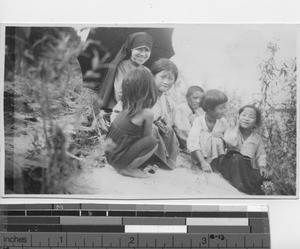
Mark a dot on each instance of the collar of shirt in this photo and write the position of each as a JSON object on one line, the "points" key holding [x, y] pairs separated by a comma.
{"points": [[204, 125], [253, 138]]}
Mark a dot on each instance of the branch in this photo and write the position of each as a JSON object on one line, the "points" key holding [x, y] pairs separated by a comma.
{"points": [[75, 157]]}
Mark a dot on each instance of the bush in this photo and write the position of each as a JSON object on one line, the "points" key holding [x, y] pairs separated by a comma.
{"points": [[278, 89], [43, 67]]}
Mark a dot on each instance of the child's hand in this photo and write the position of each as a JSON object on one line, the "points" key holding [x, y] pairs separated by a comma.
{"points": [[237, 121], [234, 122], [264, 172], [206, 167]]}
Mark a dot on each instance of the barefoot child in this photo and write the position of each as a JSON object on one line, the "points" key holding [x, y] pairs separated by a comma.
{"points": [[205, 139], [244, 165], [130, 135], [165, 74]]}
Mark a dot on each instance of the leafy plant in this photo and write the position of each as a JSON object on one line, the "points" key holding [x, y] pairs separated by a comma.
{"points": [[46, 80], [44, 64], [278, 100]]}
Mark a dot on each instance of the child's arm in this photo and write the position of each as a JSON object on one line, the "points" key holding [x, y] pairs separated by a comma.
{"points": [[199, 157], [231, 133], [261, 160], [116, 110], [148, 118], [182, 124]]}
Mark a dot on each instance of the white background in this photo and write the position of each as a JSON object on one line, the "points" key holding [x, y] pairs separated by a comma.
{"points": [[284, 213]]}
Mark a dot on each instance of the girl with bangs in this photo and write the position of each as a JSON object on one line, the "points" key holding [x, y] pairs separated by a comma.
{"points": [[129, 142], [165, 74], [244, 165], [206, 137]]}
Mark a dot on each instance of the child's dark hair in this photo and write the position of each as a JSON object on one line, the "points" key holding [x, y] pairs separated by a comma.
{"points": [[212, 98], [139, 91], [164, 64], [193, 89], [258, 114]]}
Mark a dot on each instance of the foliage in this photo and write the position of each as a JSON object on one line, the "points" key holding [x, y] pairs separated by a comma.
{"points": [[233, 105], [47, 89], [28, 45], [278, 100], [43, 74]]}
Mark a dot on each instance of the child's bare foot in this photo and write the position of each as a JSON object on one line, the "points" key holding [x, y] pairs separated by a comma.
{"points": [[150, 169], [133, 173]]}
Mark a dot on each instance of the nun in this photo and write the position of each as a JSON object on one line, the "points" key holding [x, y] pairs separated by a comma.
{"points": [[133, 54]]}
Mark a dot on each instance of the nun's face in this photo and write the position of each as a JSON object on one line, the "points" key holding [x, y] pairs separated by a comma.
{"points": [[140, 55]]}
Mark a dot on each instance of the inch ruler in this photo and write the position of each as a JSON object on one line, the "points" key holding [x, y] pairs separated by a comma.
{"points": [[86, 226]]}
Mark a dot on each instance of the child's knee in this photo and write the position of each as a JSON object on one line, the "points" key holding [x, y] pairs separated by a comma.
{"points": [[151, 141]]}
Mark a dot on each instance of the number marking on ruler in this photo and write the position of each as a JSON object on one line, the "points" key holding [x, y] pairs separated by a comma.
{"points": [[155, 226]]}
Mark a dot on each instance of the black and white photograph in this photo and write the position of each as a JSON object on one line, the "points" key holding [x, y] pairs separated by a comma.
{"points": [[165, 111]]}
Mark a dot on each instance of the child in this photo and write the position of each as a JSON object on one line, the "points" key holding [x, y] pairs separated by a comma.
{"points": [[165, 74], [244, 166], [129, 139], [186, 114], [205, 139]]}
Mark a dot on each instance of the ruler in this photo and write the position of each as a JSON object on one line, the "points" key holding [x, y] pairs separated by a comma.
{"points": [[115, 226]]}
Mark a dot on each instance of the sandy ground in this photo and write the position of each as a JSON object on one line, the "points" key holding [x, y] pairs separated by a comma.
{"points": [[181, 182], [102, 180]]}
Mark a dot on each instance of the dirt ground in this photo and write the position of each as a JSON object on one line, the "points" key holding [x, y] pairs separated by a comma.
{"points": [[25, 160], [102, 180], [96, 178], [181, 182]]}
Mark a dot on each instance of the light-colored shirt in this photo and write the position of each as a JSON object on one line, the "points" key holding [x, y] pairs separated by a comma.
{"points": [[209, 143], [252, 147], [184, 119], [164, 108], [123, 68]]}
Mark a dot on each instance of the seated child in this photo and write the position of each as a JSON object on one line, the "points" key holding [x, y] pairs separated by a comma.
{"points": [[205, 139], [165, 74], [244, 166], [186, 114], [129, 141]]}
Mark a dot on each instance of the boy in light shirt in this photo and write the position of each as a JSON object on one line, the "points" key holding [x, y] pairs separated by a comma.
{"points": [[186, 114]]}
